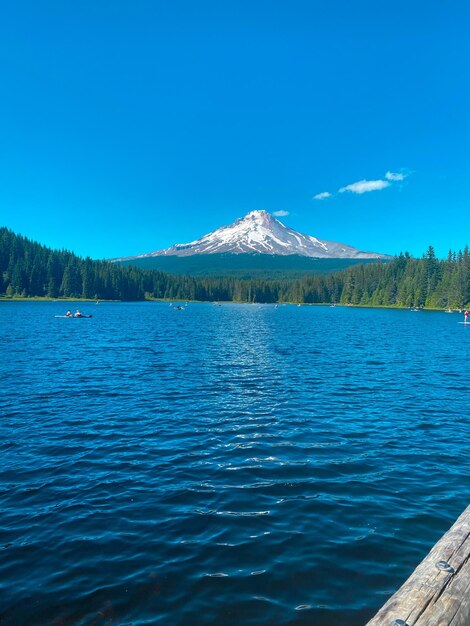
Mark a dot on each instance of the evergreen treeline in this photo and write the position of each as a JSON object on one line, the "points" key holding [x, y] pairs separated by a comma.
{"points": [[30, 269]]}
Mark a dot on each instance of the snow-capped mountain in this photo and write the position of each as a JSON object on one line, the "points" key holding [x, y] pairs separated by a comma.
{"points": [[260, 232]]}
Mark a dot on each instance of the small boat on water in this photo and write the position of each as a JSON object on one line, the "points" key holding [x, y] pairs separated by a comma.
{"points": [[74, 317]]}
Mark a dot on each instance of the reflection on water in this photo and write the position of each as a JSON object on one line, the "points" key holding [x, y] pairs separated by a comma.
{"points": [[224, 465]]}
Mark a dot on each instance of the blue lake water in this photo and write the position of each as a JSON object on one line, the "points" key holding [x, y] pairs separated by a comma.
{"points": [[224, 465]]}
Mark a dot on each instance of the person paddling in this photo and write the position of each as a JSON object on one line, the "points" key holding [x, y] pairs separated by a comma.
{"points": [[466, 316], [69, 313], [77, 313]]}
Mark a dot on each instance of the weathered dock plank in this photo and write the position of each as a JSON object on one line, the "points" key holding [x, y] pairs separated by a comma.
{"points": [[438, 592]]}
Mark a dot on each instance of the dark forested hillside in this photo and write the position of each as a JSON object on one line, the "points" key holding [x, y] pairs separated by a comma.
{"points": [[246, 266], [30, 269], [406, 281]]}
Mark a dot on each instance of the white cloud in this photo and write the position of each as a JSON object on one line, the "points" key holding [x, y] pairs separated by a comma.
{"points": [[280, 213], [395, 176], [362, 186]]}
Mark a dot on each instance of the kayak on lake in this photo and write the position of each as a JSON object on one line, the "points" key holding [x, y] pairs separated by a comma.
{"points": [[74, 317], [77, 314]]}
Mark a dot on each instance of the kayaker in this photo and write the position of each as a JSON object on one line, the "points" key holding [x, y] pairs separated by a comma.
{"points": [[77, 314], [69, 313]]}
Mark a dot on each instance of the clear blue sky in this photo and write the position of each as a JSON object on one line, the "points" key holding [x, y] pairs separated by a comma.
{"points": [[127, 126]]}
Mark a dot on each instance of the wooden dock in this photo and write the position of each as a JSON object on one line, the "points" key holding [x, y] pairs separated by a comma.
{"points": [[438, 592]]}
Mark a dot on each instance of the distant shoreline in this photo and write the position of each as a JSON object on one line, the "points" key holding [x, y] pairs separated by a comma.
{"points": [[329, 304], [46, 299]]}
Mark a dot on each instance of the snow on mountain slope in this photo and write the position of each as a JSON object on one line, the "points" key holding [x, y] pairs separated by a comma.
{"points": [[260, 232]]}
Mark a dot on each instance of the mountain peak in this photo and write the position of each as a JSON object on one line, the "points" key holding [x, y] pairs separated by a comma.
{"points": [[256, 218], [259, 232], [257, 215]]}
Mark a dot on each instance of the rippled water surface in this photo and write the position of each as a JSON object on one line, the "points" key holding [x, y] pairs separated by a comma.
{"points": [[224, 465]]}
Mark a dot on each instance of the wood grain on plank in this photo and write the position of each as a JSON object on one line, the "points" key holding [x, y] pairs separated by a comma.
{"points": [[434, 597]]}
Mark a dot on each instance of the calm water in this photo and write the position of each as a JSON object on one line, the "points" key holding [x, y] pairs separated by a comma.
{"points": [[224, 465]]}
